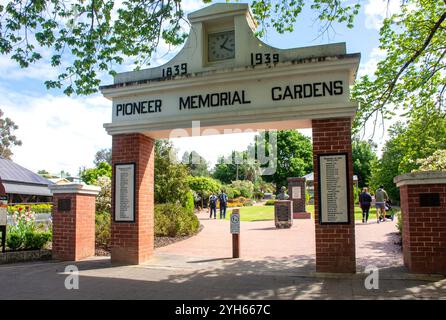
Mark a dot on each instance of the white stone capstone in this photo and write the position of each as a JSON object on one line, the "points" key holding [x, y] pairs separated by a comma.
{"points": [[278, 88], [75, 188], [423, 177]]}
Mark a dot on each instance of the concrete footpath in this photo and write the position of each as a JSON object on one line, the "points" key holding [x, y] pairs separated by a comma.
{"points": [[275, 264]]}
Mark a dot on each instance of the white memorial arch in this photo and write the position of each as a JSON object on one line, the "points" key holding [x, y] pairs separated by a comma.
{"points": [[226, 78]]}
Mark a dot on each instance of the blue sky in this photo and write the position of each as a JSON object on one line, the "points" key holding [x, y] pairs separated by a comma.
{"points": [[64, 133]]}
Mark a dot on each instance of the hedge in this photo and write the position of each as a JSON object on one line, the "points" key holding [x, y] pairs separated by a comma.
{"points": [[172, 220]]}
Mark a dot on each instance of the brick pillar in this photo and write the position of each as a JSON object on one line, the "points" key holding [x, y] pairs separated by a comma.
{"points": [[132, 242], [335, 244], [74, 207], [423, 206], [299, 211]]}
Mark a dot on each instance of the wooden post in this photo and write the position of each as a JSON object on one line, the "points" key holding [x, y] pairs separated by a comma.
{"points": [[236, 245], [235, 230]]}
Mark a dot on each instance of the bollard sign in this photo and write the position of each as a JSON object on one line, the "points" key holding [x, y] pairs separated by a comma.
{"points": [[235, 223]]}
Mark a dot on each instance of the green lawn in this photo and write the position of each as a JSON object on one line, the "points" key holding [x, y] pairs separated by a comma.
{"points": [[262, 213]]}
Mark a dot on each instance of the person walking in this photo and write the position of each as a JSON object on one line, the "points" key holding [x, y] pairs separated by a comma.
{"points": [[223, 198], [380, 198], [365, 199], [213, 206]]}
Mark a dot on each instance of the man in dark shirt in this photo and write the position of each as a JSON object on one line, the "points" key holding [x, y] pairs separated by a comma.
{"points": [[223, 198], [365, 199]]}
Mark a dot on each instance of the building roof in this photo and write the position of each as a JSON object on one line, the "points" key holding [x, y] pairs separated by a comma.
{"points": [[28, 189], [12, 172]]}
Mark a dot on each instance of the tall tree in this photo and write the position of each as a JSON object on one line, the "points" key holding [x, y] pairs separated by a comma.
{"points": [[364, 156], [7, 137], [411, 75], [294, 157], [409, 142], [196, 164], [171, 177], [103, 155]]}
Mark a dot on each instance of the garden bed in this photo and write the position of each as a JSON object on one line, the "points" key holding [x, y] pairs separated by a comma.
{"points": [[25, 256]]}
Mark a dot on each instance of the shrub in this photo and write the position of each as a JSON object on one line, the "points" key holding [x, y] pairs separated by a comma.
{"points": [[190, 203], [245, 188], [173, 220], [103, 229], [14, 240], [36, 240], [270, 202], [399, 223]]}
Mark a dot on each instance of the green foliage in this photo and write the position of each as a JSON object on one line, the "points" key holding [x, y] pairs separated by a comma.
{"points": [[190, 204], [14, 240], [89, 38], [36, 208], [282, 15], [399, 222], [363, 154], [410, 76], [103, 229], [243, 188], [417, 139], [36, 240], [238, 166], [7, 128], [172, 220], [171, 177], [25, 234], [356, 192], [204, 187], [91, 176], [294, 156], [196, 164], [270, 202]]}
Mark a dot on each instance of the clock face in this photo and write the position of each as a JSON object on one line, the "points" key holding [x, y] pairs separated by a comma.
{"points": [[221, 46]]}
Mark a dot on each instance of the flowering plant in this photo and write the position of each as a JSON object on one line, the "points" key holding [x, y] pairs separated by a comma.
{"points": [[23, 221]]}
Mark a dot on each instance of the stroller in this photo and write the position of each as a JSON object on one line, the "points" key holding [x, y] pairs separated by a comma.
{"points": [[390, 212]]}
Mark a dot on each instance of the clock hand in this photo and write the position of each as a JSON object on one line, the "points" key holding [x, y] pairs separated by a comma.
{"points": [[223, 47], [223, 44]]}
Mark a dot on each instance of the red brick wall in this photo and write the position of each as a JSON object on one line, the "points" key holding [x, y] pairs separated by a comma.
{"points": [[74, 230], [424, 230], [298, 204], [335, 244], [132, 243]]}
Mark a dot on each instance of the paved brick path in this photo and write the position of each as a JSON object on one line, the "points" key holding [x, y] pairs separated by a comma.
{"points": [[275, 264], [375, 243]]}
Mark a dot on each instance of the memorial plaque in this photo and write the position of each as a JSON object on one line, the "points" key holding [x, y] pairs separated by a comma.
{"points": [[429, 199], [333, 189], [125, 192], [283, 213], [64, 205], [296, 193]]}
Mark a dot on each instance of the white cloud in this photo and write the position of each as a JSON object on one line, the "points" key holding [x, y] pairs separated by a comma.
{"points": [[377, 10], [369, 67], [58, 132]]}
